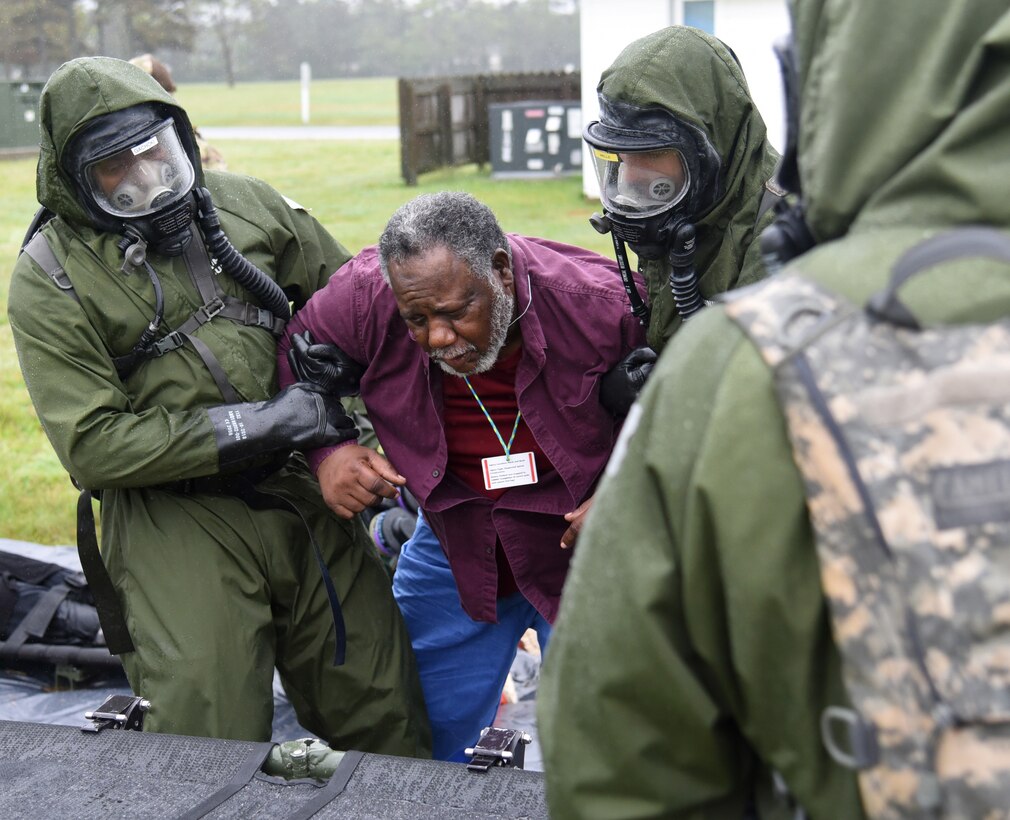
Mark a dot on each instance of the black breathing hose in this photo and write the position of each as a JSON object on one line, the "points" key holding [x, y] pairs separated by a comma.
{"points": [[234, 263], [683, 276]]}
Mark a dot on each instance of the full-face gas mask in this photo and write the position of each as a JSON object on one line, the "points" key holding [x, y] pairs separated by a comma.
{"points": [[641, 184], [655, 171], [658, 175], [134, 175]]}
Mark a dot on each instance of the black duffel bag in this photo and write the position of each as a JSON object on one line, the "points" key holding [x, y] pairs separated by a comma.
{"points": [[43, 603]]}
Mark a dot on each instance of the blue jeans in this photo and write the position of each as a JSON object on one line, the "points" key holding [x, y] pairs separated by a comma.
{"points": [[463, 663]]}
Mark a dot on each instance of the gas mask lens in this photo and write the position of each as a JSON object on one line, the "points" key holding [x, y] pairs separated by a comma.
{"points": [[143, 178], [641, 184]]}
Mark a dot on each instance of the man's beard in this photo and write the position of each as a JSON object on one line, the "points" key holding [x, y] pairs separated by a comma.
{"points": [[502, 307]]}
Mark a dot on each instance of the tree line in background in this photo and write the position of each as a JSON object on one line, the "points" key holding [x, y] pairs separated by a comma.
{"points": [[236, 40]]}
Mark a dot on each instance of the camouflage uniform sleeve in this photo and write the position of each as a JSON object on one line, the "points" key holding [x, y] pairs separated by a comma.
{"points": [[692, 622]]}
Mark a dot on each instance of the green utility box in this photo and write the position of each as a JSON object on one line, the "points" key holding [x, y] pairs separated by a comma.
{"points": [[19, 113]]}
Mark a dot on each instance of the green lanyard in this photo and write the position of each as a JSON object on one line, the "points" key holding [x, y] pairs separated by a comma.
{"points": [[487, 415]]}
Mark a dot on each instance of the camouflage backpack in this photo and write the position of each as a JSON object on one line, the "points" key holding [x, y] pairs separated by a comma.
{"points": [[902, 436]]}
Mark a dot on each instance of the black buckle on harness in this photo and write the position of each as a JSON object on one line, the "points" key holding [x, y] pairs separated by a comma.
{"points": [[118, 712], [498, 747], [208, 311], [261, 317], [264, 318], [172, 341]]}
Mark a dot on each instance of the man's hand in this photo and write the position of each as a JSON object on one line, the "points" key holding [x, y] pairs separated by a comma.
{"points": [[621, 385], [576, 518], [324, 365], [354, 477]]}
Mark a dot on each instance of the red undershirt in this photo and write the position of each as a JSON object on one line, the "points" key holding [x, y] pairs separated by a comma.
{"points": [[469, 437]]}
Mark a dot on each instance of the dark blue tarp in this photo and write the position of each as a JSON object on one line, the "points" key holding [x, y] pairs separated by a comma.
{"points": [[41, 698], [38, 695]]}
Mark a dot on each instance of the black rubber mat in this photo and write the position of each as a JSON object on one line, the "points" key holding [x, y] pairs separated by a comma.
{"points": [[59, 771]]}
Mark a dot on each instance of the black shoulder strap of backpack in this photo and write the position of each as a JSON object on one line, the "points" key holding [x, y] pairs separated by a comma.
{"points": [[106, 601], [41, 217], [41, 252]]}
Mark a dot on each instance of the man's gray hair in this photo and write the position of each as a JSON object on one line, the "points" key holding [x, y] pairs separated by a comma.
{"points": [[449, 219]]}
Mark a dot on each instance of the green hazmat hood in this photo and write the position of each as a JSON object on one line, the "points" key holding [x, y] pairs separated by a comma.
{"points": [[904, 113], [75, 95]]}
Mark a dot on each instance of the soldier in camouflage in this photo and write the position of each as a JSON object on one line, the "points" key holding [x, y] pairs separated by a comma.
{"points": [[808, 609]]}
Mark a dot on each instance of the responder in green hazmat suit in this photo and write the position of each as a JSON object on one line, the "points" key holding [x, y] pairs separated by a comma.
{"points": [[147, 339], [685, 173], [693, 656]]}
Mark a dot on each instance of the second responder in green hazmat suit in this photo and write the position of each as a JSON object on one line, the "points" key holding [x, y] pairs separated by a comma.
{"points": [[693, 658], [685, 172], [145, 316]]}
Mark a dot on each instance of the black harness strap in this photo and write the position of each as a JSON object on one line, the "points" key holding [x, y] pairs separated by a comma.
{"points": [[334, 787], [243, 486], [110, 612], [245, 773], [39, 250], [215, 303], [216, 371]]}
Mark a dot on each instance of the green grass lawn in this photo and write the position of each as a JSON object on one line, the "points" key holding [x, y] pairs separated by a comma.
{"points": [[370, 101], [351, 187]]}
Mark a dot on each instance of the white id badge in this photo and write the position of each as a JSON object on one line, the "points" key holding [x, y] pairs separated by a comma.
{"points": [[509, 471]]}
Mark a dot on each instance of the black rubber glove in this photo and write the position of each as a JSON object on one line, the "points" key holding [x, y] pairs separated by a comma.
{"points": [[300, 417], [324, 365], [621, 385]]}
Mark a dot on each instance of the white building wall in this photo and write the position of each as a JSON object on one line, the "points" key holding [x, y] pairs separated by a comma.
{"points": [[749, 27]]}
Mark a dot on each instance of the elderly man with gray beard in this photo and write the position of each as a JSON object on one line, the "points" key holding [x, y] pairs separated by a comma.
{"points": [[502, 443]]}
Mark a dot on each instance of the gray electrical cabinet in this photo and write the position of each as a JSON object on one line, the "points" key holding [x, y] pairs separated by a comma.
{"points": [[535, 138], [19, 106]]}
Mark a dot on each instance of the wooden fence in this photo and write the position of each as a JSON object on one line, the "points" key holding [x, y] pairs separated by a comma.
{"points": [[444, 120]]}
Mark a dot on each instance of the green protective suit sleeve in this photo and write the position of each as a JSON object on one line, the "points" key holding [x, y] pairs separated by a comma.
{"points": [[657, 699]]}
